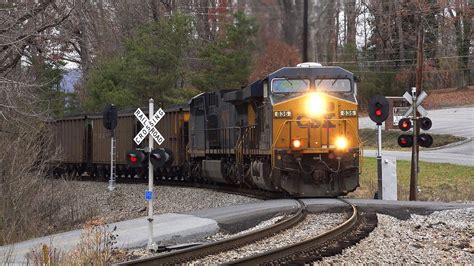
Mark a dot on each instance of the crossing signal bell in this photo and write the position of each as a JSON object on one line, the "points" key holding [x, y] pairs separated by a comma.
{"points": [[378, 109]]}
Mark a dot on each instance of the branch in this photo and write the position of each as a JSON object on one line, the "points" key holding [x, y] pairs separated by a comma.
{"points": [[27, 16]]}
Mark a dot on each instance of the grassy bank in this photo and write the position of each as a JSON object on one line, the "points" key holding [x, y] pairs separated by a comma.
{"points": [[389, 139], [437, 181]]}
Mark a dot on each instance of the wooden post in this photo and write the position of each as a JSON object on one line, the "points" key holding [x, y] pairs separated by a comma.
{"points": [[416, 129]]}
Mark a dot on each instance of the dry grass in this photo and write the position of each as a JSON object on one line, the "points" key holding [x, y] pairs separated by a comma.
{"points": [[30, 204], [96, 247], [437, 181]]}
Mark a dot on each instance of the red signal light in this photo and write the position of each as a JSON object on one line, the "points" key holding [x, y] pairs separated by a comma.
{"points": [[405, 141], [133, 158], [137, 158], [378, 112], [405, 124]]}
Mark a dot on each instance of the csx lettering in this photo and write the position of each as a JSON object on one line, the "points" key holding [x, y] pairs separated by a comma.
{"points": [[303, 122]]}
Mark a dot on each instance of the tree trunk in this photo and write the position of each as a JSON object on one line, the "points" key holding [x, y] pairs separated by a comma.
{"points": [[398, 21], [351, 16], [289, 25]]}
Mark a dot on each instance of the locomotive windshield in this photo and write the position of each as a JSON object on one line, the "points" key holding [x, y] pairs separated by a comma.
{"points": [[333, 85], [283, 85]]}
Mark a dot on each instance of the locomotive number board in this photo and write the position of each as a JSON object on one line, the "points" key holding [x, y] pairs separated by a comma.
{"points": [[281, 114], [348, 113]]}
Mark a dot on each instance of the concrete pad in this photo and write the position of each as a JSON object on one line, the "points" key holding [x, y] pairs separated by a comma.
{"points": [[239, 213], [399, 209], [131, 233]]}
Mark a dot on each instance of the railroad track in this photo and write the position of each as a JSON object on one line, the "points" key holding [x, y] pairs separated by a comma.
{"points": [[189, 254], [329, 243], [308, 250]]}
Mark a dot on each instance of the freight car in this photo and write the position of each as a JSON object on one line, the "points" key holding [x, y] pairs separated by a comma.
{"points": [[84, 143], [295, 130]]}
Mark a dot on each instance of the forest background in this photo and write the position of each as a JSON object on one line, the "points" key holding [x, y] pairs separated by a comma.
{"points": [[127, 51]]}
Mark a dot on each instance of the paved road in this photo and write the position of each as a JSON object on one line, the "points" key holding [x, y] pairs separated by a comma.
{"points": [[454, 121]]}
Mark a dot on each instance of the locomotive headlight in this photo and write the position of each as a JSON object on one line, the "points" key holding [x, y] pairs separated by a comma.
{"points": [[296, 143], [341, 143], [315, 106]]}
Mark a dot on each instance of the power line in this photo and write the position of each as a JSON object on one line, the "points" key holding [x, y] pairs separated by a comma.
{"points": [[411, 71], [395, 60]]}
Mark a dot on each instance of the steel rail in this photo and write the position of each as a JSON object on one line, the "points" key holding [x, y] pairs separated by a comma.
{"points": [[186, 255], [296, 251]]}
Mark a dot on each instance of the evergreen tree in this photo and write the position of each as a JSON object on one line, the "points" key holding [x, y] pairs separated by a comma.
{"points": [[152, 66], [228, 61]]}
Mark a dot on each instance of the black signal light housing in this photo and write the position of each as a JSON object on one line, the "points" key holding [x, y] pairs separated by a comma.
{"points": [[405, 141], [378, 109], [110, 117], [425, 123], [137, 158], [404, 124], [425, 140], [161, 157]]}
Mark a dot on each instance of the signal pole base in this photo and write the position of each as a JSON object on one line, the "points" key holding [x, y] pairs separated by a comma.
{"points": [[152, 247]]}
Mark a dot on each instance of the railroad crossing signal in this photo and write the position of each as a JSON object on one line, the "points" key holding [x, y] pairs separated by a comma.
{"points": [[149, 126], [423, 122]]}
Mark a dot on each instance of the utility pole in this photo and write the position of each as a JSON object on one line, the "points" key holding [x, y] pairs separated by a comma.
{"points": [[305, 31], [416, 128]]}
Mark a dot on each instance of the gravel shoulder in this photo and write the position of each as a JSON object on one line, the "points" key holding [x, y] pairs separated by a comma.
{"points": [[439, 238], [127, 200]]}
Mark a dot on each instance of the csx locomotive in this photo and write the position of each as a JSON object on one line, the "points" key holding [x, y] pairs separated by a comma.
{"points": [[296, 131]]}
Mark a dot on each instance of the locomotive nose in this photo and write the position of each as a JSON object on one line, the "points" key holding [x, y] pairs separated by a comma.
{"points": [[315, 105]]}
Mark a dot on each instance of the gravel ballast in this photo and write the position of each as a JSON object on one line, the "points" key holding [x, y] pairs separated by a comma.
{"points": [[440, 238], [313, 225], [127, 201]]}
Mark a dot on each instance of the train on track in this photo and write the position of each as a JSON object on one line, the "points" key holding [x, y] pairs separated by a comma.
{"points": [[295, 131]]}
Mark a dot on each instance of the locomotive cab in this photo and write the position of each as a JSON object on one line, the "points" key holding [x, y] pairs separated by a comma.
{"points": [[315, 141]]}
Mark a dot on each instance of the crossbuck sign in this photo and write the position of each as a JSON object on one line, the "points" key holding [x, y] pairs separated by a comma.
{"points": [[149, 126], [419, 100]]}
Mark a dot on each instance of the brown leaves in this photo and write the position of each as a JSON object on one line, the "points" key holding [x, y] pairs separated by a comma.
{"points": [[276, 55]]}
